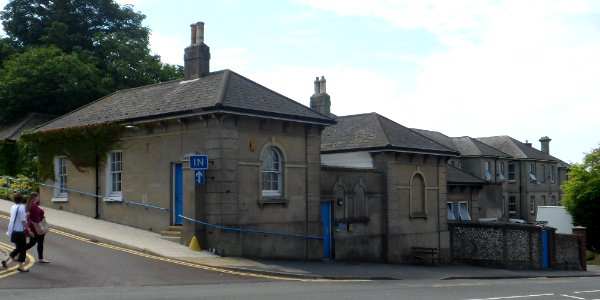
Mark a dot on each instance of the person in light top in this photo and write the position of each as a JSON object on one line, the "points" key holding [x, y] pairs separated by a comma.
{"points": [[17, 230]]}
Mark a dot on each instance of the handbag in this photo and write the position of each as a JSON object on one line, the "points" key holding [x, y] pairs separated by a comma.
{"points": [[41, 227]]}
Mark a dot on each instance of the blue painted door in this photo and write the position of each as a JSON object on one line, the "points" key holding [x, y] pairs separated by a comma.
{"points": [[326, 219], [545, 249], [177, 194]]}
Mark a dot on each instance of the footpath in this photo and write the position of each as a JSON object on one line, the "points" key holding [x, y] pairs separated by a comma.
{"points": [[150, 242]]}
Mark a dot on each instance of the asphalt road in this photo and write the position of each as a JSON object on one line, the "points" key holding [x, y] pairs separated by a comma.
{"points": [[83, 269], [77, 262]]}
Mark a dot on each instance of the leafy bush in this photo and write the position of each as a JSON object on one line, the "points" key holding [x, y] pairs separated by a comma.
{"points": [[11, 185], [589, 255]]}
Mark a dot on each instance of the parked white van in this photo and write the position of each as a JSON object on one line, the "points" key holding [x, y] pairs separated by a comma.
{"points": [[555, 216]]}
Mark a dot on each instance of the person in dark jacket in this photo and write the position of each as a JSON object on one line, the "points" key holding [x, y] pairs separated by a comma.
{"points": [[36, 215]]}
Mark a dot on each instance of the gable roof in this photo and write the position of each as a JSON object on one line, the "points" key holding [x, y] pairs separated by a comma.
{"points": [[468, 146], [438, 137], [373, 132], [515, 148], [13, 131], [456, 176], [221, 91]]}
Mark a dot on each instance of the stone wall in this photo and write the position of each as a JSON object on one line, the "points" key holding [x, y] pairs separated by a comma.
{"points": [[511, 246], [566, 255]]}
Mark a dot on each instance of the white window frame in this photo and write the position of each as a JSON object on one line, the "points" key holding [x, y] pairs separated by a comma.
{"points": [[488, 171], [532, 204], [513, 173], [114, 174], [552, 173], [532, 172], [272, 170], [61, 193], [512, 201], [458, 209], [500, 171]]}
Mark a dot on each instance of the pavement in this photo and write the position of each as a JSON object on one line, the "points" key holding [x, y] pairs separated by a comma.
{"points": [[152, 243]]}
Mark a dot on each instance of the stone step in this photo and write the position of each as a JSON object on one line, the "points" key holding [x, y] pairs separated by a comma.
{"points": [[170, 233], [175, 228]]}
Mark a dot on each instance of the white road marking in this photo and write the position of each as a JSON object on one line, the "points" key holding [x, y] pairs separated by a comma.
{"points": [[568, 296], [513, 297], [594, 291]]}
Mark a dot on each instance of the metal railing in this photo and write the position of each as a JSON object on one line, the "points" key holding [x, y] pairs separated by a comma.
{"points": [[223, 228]]}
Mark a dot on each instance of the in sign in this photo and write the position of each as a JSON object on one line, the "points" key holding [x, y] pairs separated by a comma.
{"points": [[199, 162]]}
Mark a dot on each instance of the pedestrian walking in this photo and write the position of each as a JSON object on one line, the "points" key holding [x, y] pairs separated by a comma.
{"points": [[34, 222], [17, 230]]}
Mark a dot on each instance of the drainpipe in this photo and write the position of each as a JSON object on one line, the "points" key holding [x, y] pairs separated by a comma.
{"points": [[306, 244], [97, 185]]}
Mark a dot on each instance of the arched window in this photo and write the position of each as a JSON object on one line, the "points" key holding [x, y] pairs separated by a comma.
{"points": [[272, 175], [360, 199], [417, 196]]}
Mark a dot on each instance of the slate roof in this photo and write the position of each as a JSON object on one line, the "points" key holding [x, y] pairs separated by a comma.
{"points": [[468, 146], [221, 91], [438, 137], [13, 131], [457, 176], [515, 148], [373, 132]]}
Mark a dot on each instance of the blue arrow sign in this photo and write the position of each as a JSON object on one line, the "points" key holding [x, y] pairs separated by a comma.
{"points": [[199, 162], [199, 176]]}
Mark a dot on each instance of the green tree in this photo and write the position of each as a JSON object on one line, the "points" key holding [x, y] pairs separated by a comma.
{"points": [[47, 80], [70, 23], [582, 196], [104, 40], [7, 48]]}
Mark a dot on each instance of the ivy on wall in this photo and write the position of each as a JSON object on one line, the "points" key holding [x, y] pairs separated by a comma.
{"points": [[8, 158], [80, 144]]}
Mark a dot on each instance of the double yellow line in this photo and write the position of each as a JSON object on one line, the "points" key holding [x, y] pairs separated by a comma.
{"points": [[178, 262], [7, 248]]}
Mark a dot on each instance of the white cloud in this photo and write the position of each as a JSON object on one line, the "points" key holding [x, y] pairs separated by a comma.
{"points": [[352, 91], [522, 68]]}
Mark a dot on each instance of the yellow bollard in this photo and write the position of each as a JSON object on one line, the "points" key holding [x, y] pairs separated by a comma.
{"points": [[195, 245]]}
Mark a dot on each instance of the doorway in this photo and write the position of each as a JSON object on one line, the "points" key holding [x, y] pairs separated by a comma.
{"points": [[177, 194]]}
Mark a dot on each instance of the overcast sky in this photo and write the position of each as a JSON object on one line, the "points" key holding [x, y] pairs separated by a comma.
{"points": [[521, 68]]}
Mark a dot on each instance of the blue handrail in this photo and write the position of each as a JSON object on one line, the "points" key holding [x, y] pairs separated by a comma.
{"points": [[251, 230], [89, 194]]}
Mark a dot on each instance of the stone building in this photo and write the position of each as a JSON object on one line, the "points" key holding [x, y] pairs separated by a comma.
{"points": [[263, 153], [283, 180]]}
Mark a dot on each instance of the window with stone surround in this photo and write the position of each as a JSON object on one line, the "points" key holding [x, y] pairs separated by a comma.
{"points": [[271, 172]]}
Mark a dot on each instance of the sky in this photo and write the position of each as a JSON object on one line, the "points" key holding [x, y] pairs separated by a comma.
{"points": [[521, 68]]}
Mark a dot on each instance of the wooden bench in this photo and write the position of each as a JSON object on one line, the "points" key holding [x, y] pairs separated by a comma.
{"points": [[424, 253]]}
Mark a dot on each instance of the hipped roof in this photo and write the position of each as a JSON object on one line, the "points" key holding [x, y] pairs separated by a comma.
{"points": [[223, 91]]}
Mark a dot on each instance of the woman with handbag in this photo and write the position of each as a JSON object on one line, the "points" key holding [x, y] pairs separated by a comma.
{"points": [[17, 229], [37, 225]]}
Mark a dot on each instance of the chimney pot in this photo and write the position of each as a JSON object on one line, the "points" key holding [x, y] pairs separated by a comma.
{"points": [[320, 101], [545, 144], [197, 55], [200, 33], [193, 42]]}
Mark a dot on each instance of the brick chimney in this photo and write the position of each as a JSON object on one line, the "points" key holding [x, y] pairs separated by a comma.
{"points": [[545, 144], [320, 100], [197, 55]]}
